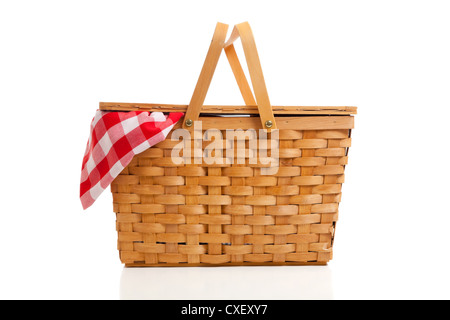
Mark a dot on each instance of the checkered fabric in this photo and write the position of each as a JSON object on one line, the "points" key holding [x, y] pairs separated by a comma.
{"points": [[115, 137]]}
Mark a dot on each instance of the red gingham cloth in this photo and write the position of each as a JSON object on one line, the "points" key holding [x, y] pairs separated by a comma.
{"points": [[115, 137]]}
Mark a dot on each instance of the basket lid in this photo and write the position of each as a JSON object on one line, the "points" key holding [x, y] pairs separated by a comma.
{"points": [[228, 109]]}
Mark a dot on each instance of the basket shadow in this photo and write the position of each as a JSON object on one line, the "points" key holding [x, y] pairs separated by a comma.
{"points": [[221, 283]]}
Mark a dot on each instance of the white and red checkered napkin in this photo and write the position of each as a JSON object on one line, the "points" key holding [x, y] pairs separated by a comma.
{"points": [[114, 139]]}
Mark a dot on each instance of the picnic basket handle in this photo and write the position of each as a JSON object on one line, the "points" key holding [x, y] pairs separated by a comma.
{"points": [[218, 44]]}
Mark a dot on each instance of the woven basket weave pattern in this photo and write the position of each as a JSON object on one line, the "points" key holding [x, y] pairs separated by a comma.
{"points": [[196, 214]]}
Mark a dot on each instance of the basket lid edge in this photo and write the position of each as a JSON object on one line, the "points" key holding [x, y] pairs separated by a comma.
{"points": [[231, 109]]}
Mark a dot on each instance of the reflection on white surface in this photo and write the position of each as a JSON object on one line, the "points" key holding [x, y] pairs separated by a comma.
{"points": [[220, 283]]}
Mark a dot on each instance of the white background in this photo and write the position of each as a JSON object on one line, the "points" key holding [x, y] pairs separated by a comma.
{"points": [[391, 59]]}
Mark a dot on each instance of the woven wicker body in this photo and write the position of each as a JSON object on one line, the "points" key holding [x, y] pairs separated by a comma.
{"points": [[169, 214], [199, 214]]}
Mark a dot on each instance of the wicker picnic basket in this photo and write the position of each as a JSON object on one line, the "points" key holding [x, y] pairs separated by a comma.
{"points": [[198, 214]]}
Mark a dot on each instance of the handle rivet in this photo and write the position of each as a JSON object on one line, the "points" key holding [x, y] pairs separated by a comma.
{"points": [[268, 124], [189, 122]]}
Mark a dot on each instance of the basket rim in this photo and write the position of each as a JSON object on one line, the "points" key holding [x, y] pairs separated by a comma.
{"points": [[228, 109]]}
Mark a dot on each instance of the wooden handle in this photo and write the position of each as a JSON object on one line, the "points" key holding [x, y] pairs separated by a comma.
{"points": [[239, 74], [243, 31], [204, 80]]}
